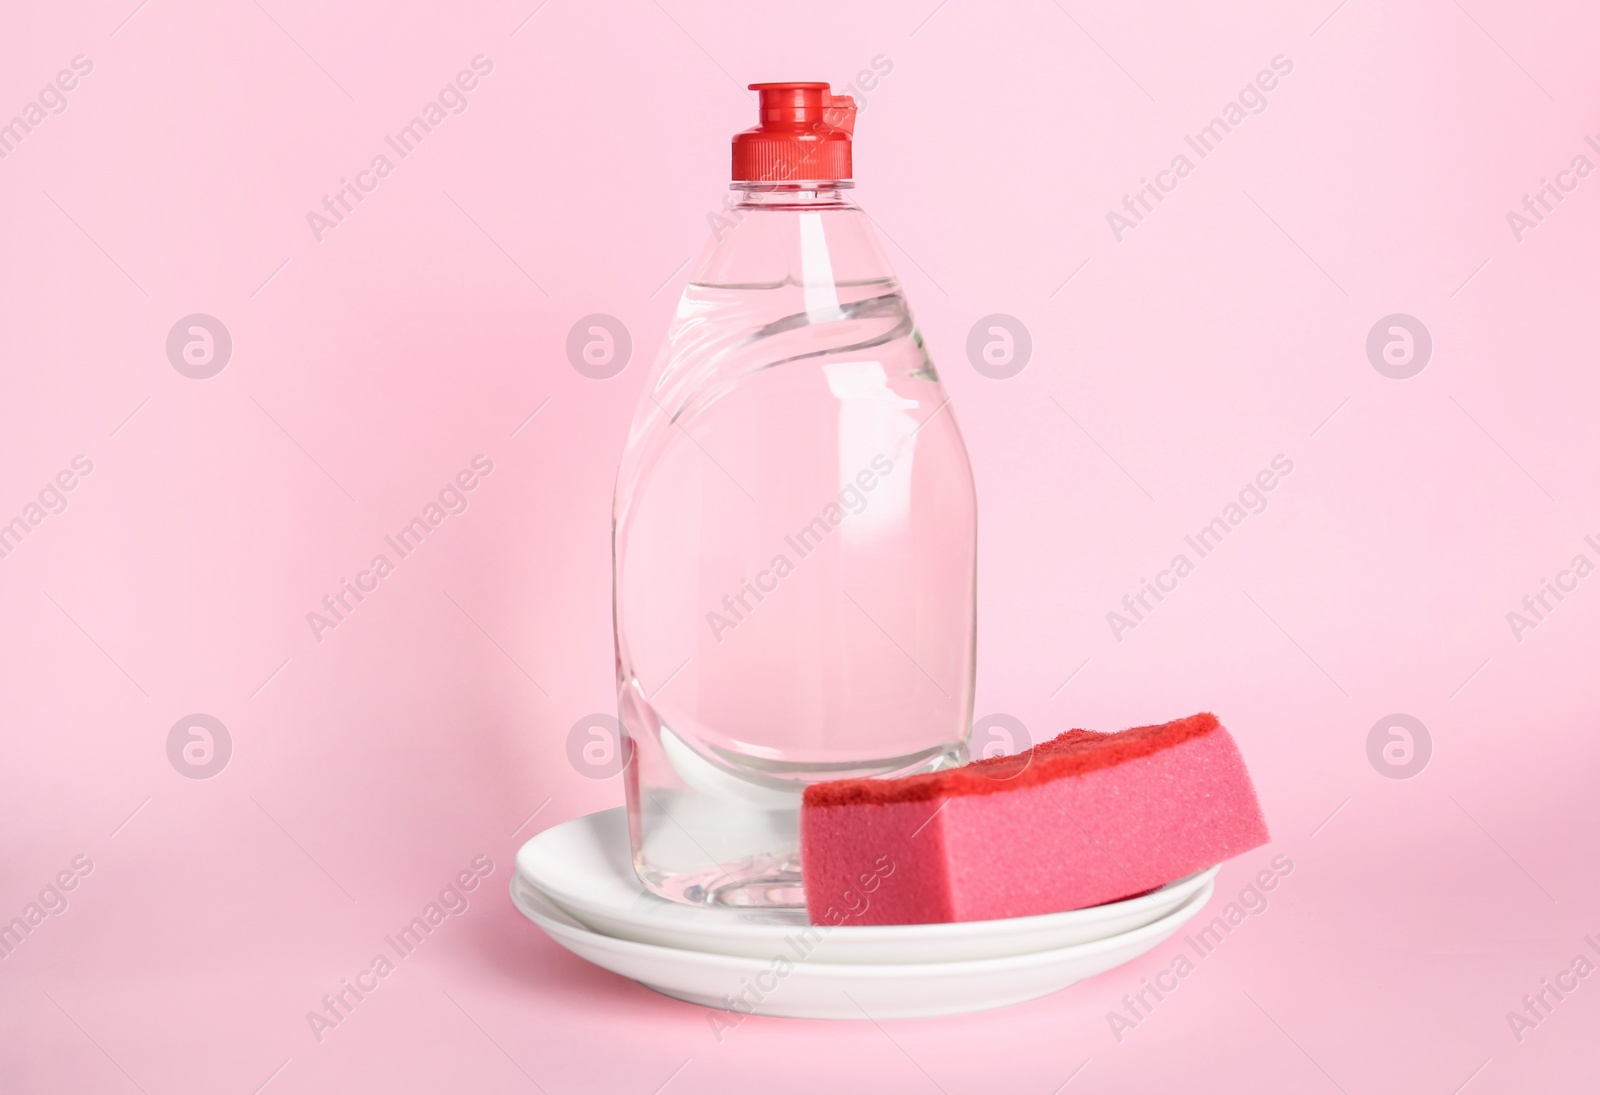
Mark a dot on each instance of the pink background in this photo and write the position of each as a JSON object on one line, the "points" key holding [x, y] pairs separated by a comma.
{"points": [[367, 369]]}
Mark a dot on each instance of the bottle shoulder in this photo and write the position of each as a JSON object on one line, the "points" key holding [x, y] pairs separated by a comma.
{"points": [[769, 244]]}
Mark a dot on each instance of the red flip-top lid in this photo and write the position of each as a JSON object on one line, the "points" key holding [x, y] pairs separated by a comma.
{"points": [[804, 135]]}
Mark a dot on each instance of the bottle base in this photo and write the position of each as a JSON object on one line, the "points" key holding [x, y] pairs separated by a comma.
{"points": [[760, 882], [730, 834]]}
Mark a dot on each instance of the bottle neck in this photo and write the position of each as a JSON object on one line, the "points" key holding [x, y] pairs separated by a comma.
{"points": [[823, 194]]}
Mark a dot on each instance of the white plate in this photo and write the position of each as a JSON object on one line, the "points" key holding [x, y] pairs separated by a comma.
{"points": [[785, 983], [583, 866]]}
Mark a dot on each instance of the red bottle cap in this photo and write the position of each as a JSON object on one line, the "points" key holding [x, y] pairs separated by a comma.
{"points": [[804, 136]]}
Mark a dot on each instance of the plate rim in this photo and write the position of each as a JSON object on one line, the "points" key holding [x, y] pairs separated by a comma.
{"points": [[730, 963], [943, 931]]}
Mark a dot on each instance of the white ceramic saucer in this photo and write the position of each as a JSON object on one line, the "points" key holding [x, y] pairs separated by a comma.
{"points": [[583, 867], [786, 983]]}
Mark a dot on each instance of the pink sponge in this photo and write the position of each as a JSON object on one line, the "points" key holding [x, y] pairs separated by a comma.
{"points": [[1080, 820]]}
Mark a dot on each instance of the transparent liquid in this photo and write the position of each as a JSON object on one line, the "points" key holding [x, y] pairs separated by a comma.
{"points": [[794, 557]]}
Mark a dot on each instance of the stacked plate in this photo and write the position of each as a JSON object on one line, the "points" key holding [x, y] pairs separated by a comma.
{"points": [[576, 882]]}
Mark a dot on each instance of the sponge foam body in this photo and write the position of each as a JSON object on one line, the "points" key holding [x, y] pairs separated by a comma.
{"points": [[1080, 820]]}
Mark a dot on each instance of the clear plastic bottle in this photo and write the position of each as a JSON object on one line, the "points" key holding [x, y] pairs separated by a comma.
{"points": [[794, 530]]}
